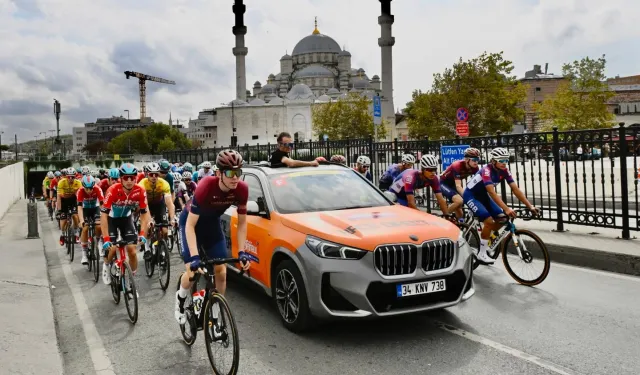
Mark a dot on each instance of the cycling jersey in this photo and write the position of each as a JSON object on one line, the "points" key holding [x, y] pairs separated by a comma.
{"points": [[68, 190], [89, 200], [202, 174], [53, 186], [140, 177], [157, 192], [180, 188], [410, 180], [118, 203], [390, 175], [169, 179], [46, 183], [458, 170], [104, 185], [488, 175], [194, 176], [191, 187]]}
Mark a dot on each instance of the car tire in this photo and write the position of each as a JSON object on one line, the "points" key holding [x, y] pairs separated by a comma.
{"points": [[304, 320]]}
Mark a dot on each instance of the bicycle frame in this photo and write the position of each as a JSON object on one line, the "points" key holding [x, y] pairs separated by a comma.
{"points": [[119, 261]]}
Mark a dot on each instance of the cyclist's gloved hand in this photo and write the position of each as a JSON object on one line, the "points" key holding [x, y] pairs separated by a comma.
{"points": [[142, 240], [535, 211], [195, 263], [246, 264], [106, 244]]}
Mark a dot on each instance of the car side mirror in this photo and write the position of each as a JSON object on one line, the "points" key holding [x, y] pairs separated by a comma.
{"points": [[390, 196], [253, 208]]}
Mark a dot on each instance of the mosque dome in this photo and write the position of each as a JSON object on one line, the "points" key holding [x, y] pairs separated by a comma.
{"points": [[333, 90], [313, 71], [276, 100], [269, 88], [300, 91], [256, 102], [323, 98], [316, 42]]}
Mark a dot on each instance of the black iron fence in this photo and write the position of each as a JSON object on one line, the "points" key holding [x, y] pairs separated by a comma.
{"points": [[586, 177]]}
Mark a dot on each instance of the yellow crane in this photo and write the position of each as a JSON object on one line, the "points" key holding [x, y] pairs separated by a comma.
{"points": [[142, 79]]}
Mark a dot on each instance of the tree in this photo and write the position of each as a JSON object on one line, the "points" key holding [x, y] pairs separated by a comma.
{"points": [[96, 148], [166, 145], [4, 148], [346, 118], [581, 101], [483, 85], [131, 141], [153, 139]]}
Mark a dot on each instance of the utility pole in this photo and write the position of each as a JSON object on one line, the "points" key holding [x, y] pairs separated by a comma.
{"points": [[1, 133], [15, 146], [56, 111], [126, 110]]}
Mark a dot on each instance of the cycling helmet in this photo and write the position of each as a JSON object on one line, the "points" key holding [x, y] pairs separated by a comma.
{"points": [[128, 169], [229, 159], [408, 159], [214, 168], [84, 170], [176, 177], [187, 167], [206, 164], [88, 181], [102, 171], [94, 173], [499, 153], [78, 170], [57, 173], [164, 165], [472, 153], [145, 168], [363, 160], [50, 174], [338, 159], [186, 175], [428, 161], [153, 168], [114, 173], [70, 172]]}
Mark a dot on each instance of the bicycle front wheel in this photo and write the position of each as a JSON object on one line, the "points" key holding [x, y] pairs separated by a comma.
{"points": [[95, 258], [130, 293], [473, 239], [219, 327], [71, 240], [524, 251], [164, 265]]}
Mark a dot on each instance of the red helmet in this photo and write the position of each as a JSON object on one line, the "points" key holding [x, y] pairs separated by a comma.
{"points": [[472, 153], [229, 159]]}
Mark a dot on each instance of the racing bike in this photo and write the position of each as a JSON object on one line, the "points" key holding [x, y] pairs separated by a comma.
{"points": [[159, 255], [93, 254], [218, 328], [122, 281]]}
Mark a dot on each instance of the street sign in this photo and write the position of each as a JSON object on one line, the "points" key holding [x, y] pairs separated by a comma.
{"points": [[449, 154], [462, 128], [377, 110], [462, 114]]}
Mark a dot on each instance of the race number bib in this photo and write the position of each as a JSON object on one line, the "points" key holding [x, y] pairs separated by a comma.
{"points": [[397, 186], [474, 181]]}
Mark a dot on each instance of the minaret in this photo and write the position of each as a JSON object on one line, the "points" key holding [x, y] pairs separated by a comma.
{"points": [[386, 42], [240, 51], [170, 121]]}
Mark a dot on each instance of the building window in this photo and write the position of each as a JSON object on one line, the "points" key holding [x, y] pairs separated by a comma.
{"points": [[538, 89], [254, 137]]}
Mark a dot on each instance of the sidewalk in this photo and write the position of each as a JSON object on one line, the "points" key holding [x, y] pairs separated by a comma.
{"points": [[28, 341]]}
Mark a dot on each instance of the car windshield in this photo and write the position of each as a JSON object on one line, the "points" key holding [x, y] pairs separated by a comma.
{"points": [[323, 190]]}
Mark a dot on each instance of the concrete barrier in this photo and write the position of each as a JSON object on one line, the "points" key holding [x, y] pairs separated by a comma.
{"points": [[12, 188]]}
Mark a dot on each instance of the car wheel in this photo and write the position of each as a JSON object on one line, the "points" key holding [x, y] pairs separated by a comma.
{"points": [[290, 296]]}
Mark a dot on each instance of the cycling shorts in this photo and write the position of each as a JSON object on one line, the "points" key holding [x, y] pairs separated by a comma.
{"points": [[91, 212], [158, 212], [448, 191], [126, 228], [482, 206], [66, 204], [211, 241]]}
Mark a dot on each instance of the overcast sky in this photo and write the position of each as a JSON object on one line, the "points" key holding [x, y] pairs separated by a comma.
{"points": [[77, 50]]}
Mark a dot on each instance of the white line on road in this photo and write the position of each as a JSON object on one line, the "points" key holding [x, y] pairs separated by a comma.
{"points": [[101, 362], [558, 369]]}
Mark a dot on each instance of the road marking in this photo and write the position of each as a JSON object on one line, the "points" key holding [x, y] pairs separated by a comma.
{"points": [[101, 362], [558, 369]]}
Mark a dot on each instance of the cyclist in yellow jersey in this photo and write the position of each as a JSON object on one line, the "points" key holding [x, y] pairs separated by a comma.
{"points": [[159, 199], [67, 189]]}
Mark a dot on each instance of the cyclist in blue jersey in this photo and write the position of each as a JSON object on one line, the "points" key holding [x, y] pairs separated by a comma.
{"points": [[481, 197], [412, 179], [394, 171], [362, 166]]}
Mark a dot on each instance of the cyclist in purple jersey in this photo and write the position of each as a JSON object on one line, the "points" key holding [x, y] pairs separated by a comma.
{"points": [[187, 178], [410, 180], [394, 171], [451, 179], [481, 197]]}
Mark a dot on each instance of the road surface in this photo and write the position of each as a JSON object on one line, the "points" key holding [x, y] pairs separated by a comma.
{"points": [[577, 322]]}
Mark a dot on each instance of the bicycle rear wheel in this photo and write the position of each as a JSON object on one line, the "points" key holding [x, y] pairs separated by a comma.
{"points": [[534, 254], [130, 293], [164, 264], [71, 240], [149, 264], [189, 330], [95, 258], [219, 327], [115, 285]]}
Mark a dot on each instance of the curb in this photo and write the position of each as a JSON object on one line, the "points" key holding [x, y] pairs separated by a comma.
{"points": [[595, 259]]}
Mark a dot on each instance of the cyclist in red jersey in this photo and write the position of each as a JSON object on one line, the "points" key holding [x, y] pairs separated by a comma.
{"points": [[117, 216], [451, 179], [112, 178], [89, 199]]}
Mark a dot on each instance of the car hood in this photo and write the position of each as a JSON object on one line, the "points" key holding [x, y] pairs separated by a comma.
{"points": [[366, 228]]}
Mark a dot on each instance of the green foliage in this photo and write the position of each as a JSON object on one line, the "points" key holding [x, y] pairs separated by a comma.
{"points": [[4, 148], [346, 118], [155, 138], [96, 147], [581, 101], [483, 85], [54, 165]]}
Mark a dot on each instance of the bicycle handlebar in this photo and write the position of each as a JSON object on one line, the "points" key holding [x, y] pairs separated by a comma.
{"points": [[217, 262]]}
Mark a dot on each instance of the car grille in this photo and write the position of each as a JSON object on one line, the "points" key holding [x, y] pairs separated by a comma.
{"points": [[395, 260], [437, 254]]}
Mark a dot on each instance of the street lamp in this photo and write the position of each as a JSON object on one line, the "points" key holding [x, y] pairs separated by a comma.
{"points": [[1, 133], [56, 111]]}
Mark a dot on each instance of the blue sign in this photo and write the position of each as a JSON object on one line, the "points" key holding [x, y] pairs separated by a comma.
{"points": [[377, 110], [462, 114], [450, 154]]}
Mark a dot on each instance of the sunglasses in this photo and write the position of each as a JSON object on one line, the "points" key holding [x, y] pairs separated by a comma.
{"points": [[287, 144], [128, 178], [230, 173], [187, 180], [474, 159], [154, 174], [503, 161], [432, 170]]}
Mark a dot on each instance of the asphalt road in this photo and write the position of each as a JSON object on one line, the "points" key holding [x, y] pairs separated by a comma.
{"points": [[578, 322]]}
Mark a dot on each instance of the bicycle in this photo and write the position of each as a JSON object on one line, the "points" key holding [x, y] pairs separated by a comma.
{"points": [[92, 252], [161, 256], [172, 235], [122, 280], [70, 235], [506, 235], [50, 208], [197, 321]]}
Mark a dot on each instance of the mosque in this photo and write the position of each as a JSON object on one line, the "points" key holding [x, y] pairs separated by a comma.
{"points": [[317, 71]]}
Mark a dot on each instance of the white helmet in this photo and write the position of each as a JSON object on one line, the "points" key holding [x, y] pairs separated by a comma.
{"points": [[94, 173], [408, 159], [206, 164], [428, 161], [50, 174], [153, 168], [364, 160], [187, 175], [176, 177], [499, 153], [85, 170]]}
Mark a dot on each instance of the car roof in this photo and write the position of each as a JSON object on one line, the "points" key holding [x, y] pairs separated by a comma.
{"points": [[266, 168]]}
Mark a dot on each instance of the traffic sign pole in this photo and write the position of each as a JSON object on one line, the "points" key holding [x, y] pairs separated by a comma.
{"points": [[377, 115]]}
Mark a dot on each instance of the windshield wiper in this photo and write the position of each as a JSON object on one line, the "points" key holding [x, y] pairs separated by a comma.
{"points": [[351, 207]]}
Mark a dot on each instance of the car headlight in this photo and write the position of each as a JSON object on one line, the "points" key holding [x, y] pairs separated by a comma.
{"points": [[330, 250], [461, 240]]}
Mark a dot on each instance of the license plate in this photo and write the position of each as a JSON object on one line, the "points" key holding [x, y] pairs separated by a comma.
{"points": [[425, 287]]}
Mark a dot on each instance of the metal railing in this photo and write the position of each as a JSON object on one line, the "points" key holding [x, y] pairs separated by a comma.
{"points": [[583, 177]]}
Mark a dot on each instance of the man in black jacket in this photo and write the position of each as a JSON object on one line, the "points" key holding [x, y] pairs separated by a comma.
{"points": [[280, 157]]}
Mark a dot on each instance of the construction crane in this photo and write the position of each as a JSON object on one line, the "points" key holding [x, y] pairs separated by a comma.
{"points": [[142, 79]]}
